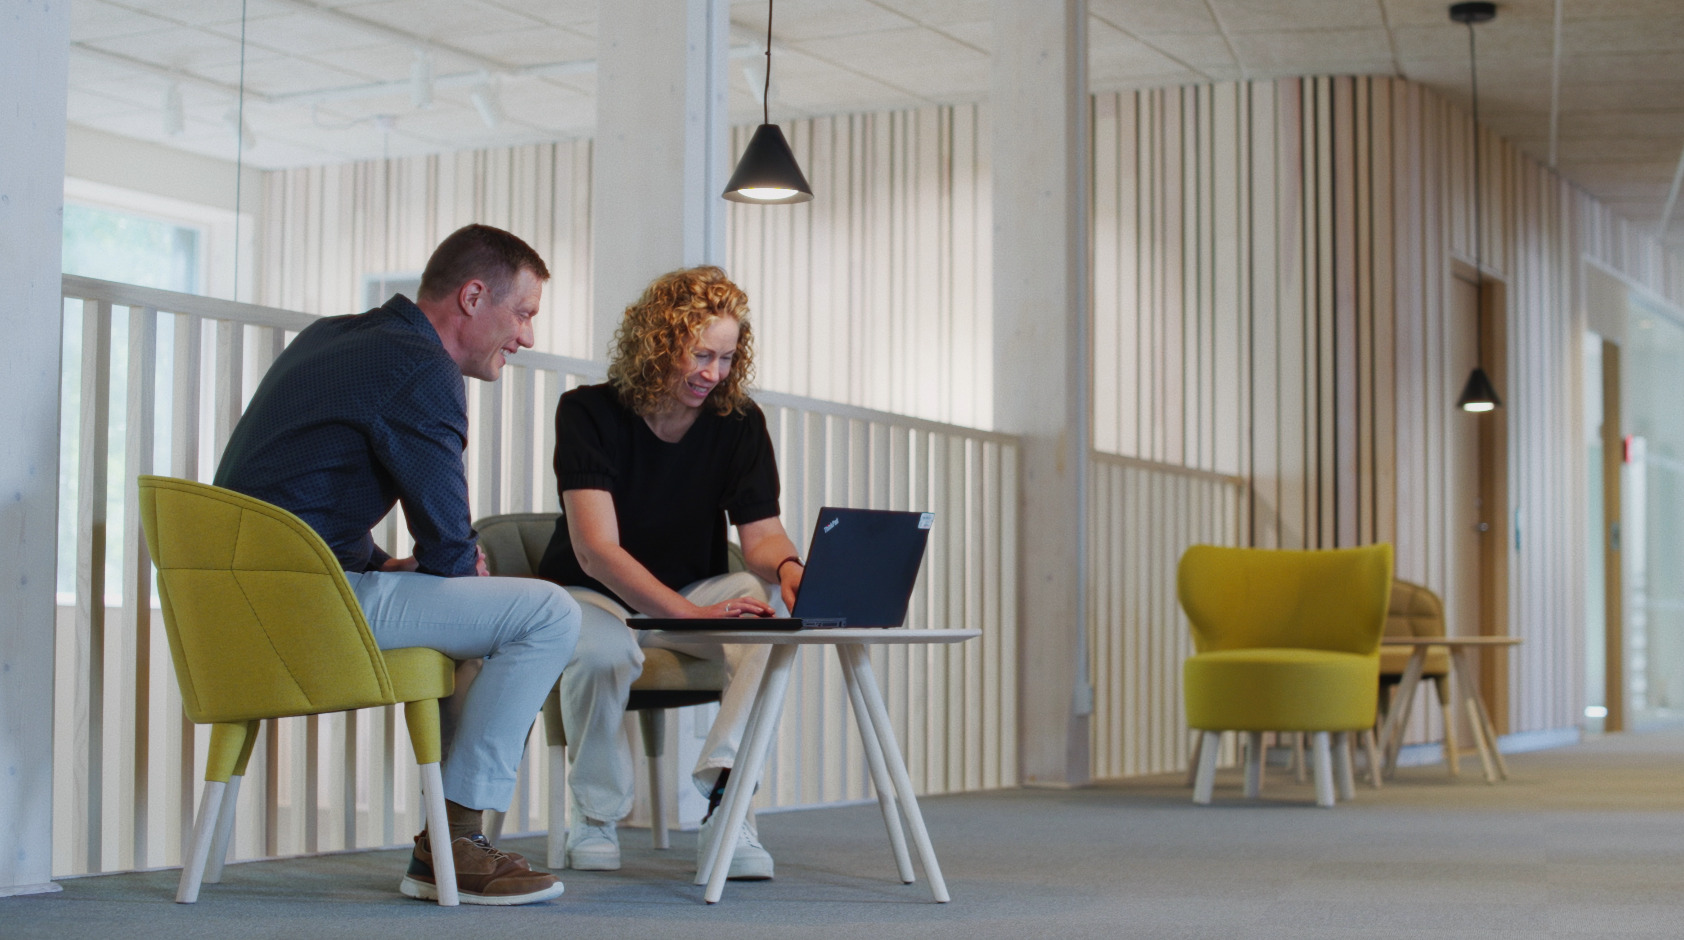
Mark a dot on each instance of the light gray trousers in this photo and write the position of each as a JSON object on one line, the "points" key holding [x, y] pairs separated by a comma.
{"points": [[524, 628], [596, 684]]}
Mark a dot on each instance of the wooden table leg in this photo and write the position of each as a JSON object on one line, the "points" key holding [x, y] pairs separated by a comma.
{"points": [[867, 681], [745, 776], [1484, 731], [1391, 734], [879, 773]]}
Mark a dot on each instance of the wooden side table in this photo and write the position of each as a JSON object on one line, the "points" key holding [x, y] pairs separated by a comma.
{"points": [[1461, 670], [883, 755]]}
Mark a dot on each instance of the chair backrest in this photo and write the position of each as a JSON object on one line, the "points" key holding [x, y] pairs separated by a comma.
{"points": [[1245, 598], [1414, 611], [260, 619], [514, 543]]}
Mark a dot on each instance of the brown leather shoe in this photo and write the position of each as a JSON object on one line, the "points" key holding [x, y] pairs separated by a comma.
{"points": [[483, 874]]}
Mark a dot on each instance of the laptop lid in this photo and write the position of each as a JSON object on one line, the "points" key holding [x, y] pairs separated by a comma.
{"points": [[861, 567]]}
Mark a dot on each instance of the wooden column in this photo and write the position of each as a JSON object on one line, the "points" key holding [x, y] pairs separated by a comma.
{"points": [[1042, 370], [34, 83], [660, 155]]}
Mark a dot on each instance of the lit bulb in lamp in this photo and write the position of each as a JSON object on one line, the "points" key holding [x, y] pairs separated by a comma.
{"points": [[1478, 406], [767, 194]]}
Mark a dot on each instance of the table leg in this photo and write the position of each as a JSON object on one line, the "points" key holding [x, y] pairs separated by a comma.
{"points": [[739, 790], [1391, 734], [1485, 732], [879, 773], [867, 681]]}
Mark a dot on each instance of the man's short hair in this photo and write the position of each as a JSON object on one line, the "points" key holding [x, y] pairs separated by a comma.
{"points": [[479, 251]]}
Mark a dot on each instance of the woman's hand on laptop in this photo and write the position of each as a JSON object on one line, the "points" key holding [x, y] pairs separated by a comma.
{"points": [[736, 607]]}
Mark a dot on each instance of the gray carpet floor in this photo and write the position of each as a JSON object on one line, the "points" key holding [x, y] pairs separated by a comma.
{"points": [[1585, 841]]}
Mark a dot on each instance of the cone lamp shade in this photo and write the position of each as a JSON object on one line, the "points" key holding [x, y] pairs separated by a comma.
{"points": [[767, 174], [1479, 394]]}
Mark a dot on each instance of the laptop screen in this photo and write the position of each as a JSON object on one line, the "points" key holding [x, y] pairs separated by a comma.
{"points": [[862, 566]]}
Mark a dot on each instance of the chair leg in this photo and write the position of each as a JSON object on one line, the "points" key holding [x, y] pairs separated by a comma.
{"points": [[1373, 748], [1193, 760], [1342, 766], [1206, 779], [438, 835], [1253, 764], [1300, 766], [204, 831], [224, 830], [1323, 768], [555, 736], [653, 724], [555, 844]]}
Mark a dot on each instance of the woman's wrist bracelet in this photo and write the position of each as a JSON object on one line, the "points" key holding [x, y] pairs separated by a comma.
{"points": [[778, 572]]}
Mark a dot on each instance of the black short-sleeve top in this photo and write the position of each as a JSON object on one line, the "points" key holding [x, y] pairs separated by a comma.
{"points": [[672, 500]]}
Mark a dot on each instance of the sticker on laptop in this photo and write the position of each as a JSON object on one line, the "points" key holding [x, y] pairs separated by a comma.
{"points": [[925, 520]]}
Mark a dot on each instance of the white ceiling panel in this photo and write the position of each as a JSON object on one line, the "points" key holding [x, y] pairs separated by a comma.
{"points": [[1275, 15], [1153, 17]]}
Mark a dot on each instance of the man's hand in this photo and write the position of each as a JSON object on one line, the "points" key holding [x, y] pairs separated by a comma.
{"points": [[407, 563], [480, 567]]}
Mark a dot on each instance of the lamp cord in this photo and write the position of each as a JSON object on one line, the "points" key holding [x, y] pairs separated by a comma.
{"points": [[1478, 211], [766, 93]]}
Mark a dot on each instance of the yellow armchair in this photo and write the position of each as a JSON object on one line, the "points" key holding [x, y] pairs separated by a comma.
{"points": [[1286, 641], [262, 624]]}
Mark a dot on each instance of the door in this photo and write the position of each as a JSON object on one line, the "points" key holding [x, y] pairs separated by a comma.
{"points": [[1481, 531]]}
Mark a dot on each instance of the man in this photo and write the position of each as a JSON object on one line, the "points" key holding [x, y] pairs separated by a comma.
{"points": [[365, 411]]}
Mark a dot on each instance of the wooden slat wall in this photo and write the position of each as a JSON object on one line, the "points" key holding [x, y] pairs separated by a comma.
{"points": [[876, 293], [1271, 265], [323, 229]]}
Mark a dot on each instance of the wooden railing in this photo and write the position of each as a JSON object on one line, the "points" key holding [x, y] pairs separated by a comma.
{"points": [[1143, 515], [155, 382]]}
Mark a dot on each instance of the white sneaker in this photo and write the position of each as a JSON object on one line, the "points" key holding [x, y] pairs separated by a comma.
{"points": [[750, 861], [593, 844]]}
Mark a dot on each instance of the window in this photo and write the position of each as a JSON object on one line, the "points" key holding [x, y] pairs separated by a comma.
{"points": [[114, 244], [119, 246]]}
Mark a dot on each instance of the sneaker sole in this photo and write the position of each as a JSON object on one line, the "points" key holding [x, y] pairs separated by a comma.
{"points": [[749, 870], [421, 890], [588, 862]]}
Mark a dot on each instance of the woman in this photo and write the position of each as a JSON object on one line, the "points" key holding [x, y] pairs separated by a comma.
{"points": [[651, 465]]}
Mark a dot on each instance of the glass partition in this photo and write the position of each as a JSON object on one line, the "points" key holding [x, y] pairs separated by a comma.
{"points": [[1652, 511]]}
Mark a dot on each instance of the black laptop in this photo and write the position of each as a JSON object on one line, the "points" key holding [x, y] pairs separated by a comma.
{"points": [[861, 567]]}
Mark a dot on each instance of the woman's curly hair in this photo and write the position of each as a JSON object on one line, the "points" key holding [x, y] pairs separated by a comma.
{"points": [[655, 339]]}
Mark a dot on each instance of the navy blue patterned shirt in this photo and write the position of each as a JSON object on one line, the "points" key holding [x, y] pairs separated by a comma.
{"points": [[358, 413]]}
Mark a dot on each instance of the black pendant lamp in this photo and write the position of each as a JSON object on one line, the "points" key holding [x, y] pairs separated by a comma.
{"points": [[767, 173], [1478, 394]]}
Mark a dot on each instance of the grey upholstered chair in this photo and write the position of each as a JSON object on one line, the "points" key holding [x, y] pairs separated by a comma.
{"points": [[514, 543]]}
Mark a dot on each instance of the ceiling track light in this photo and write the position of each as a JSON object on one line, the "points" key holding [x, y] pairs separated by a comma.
{"points": [[238, 125], [1478, 393], [767, 172], [488, 102], [421, 80], [175, 115]]}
